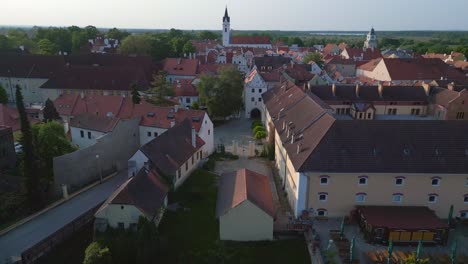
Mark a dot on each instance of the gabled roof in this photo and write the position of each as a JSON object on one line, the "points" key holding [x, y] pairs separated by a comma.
{"points": [[169, 151], [370, 65], [421, 69], [146, 191], [30, 66], [442, 96], [242, 185], [9, 117], [184, 87], [243, 40], [366, 54], [180, 66], [98, 78], [93, 122]]}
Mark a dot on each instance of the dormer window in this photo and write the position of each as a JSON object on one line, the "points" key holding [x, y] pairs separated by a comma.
{"points": [[399, 181], [362, 180], [432, 198], [324, 180], [323, 197], [435, 181]]}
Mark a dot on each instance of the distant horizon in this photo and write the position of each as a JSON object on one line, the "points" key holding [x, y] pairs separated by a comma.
{"points": [[233, 29], [246, 15]]}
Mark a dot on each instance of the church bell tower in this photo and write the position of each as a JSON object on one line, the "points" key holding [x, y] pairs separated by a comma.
{"points": [[226, 29]]}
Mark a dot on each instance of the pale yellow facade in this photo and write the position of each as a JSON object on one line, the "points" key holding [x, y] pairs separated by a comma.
{"points": [[342, 189], [384, 109], [246, 222], [187, 168], [116, 213]]}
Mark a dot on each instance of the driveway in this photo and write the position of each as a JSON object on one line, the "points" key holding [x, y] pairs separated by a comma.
{"points": [[235, 129], [27, 235]]}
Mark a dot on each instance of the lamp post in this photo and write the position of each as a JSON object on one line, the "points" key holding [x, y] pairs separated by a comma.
{"points": [[99, 168]]}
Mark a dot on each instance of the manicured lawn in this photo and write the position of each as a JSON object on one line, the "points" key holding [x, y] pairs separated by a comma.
{"points": [[191, 235]]}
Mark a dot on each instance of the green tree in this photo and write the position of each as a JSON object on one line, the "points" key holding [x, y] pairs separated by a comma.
{"points": [[136, 45], [91, 32], [160, 87], [298, 41], [18, 37], [28, 168], [188, 48], [135, 95], [96, 254], [207, 35], [3, 96], [195, 106], [315, 57], [46, 47], [50, 112], [50, 141], [4, 42], [412, 260], [115, 33], [222, 95]]}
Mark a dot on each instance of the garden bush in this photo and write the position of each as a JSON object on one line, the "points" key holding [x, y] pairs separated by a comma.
{"points": [[258, 128], [260, 135], [256, 123]]}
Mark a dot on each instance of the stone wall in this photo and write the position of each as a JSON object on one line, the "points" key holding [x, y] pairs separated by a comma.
{"points": [[81, 167]]}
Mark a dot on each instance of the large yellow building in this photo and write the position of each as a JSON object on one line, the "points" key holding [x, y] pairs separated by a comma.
{"points": [[332, 164]]}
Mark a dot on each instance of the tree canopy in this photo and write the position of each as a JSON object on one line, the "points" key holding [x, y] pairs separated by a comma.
{"points": [[160, 87], [222, 95], [135, 95], [115, 33], [136, 45], [315, 57], [50, 112], [3, 95], [97, 254]]}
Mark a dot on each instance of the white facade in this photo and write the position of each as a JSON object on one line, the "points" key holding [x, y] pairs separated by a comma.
{"points": [[84, 137], [226, 29], [253, 90], [206, 133], [246, 222], [241, 62], [149, 133], [187, 101], [136, 162], [371, 40], [29, 88]]}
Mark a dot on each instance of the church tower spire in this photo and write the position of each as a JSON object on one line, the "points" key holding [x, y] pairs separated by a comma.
{"points": [[371, 41], [226, 28]]}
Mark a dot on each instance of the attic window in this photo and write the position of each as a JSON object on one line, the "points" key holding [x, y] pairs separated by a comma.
{"points": [[406, 151], [150, 114], [196, 119]]}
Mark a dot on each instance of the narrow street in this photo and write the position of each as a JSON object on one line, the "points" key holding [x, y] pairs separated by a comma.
{"points": [[23, 237]]}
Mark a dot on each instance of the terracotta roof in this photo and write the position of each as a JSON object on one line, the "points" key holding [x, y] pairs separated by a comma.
{"points": [[98, 78], [169, 151], [94, 122], [270, 61], [340, 60], [201, 46], [421, 69], [370, 65], [146, 191], [250, 40], [443, 96], [402, 217], [367, 54], [180, 66], [9, 117], [184, 87], [123, 108], [242, 185], [327, 50]]}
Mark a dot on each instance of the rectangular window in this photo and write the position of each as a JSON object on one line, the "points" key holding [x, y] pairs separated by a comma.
{"points": [[201, 155], [360, 198], [193, 159], [155, 134], [253, 90], [252, 99], [149, 134], [369, 115], [82, 133], [187, 100], [178, 174], [260, 99], [360, 116], [89, 135], [260, 90], [121, 225], [460, 115], [186, 166], [209, 132]]}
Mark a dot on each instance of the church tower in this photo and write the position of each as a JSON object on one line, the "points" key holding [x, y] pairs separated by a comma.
{"points": [[371, 41], [226, 29]]}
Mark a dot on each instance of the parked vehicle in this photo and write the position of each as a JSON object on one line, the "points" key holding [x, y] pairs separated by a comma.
{"points": [[18, 148]]}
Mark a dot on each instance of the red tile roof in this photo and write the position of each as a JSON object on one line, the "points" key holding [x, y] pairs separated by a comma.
{"points": [[94, 122], [250, 40], [421, 69], [184, 87], [146, 191], [369, 66], [402, 217], [180, 66], [366, 54], [169, 151], [9, 117], [122, 107], [239, 186]]}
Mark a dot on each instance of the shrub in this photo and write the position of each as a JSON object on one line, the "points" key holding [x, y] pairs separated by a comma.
{"points": [[258, 128], [96, 254], [260, 135], [256, 123]]}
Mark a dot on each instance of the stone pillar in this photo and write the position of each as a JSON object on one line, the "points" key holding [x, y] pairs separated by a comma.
{"points": [[251, 148], [65, 191]]}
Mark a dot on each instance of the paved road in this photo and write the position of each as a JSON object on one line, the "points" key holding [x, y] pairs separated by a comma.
{"points": [[27, 235]]}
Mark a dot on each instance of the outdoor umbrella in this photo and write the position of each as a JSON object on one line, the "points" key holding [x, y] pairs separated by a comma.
{"points": [[450, 215], [390, 251], [453, 256], [342, 229], [351, 249], [419, 250]]}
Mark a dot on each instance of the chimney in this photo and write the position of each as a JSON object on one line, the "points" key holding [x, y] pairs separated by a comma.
{"points": [[380, 90], [292, 138], [357, 90], [194, 138], [284, 124], [299, 148], [176, 108], [427, 88], [82, 95], [334, 90], [178, 61], [172, 123]]}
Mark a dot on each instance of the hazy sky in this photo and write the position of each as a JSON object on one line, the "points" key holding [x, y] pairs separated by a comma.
{"points": [[245, 14]]}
